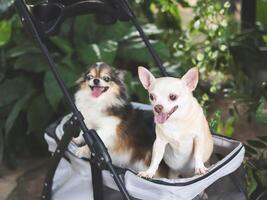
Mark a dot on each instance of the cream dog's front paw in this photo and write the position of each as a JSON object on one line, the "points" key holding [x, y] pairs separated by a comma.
{"points": [[201, 170], [83, 152], [147, 174]]}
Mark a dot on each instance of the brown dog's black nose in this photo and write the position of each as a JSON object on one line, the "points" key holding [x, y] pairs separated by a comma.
{"points": [[96, 81], [158, 108]]}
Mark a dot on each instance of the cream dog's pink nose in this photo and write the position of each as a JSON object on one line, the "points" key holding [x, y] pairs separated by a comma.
{"points": [[158, 108]]}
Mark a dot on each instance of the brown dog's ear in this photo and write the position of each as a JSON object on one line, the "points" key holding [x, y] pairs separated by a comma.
{"points": [[81, 79], [145, 76], [191, 78], [121, 74]]}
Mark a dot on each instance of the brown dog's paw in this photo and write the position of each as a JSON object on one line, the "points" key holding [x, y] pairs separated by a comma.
{"points": [[83, 152]]}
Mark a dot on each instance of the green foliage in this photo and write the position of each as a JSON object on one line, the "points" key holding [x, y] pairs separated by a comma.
{"points": [[261, 13], [255, 163], [225, 127], [5, 29], [261, 112]]}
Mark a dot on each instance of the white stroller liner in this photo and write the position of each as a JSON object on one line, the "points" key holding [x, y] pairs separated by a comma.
{"points": [[73, 176]]}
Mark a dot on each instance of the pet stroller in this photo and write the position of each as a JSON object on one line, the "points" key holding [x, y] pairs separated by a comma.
{"points": [[70, 177]]}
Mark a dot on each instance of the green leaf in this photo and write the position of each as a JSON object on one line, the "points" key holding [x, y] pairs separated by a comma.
{"points": [[264, 37], [137, 51], [114, 32], [261, 14], [263, 178], [12, 89], [63, 44], [108, 51], [39, 114], [21, 50], [252, 183], [52, 90], [5, 32], [32, 63], [229, 126], [261, 112], [19, 105], [88, 54], [257, 144], [250, 150], [98, 52]]}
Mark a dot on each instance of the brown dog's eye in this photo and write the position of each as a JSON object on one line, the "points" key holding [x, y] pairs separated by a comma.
{"points": [[88, 77], [172, 97], [106, 78], [151, 96]]}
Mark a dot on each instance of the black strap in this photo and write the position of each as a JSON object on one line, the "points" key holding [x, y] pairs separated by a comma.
{"points": [[97, 182]]}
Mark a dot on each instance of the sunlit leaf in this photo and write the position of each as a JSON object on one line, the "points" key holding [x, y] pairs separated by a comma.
{"points": [[21, 50], [5, 32], [229, 126]]}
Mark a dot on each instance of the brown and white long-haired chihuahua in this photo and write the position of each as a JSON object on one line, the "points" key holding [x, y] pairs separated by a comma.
{"points": [[103, 101]]}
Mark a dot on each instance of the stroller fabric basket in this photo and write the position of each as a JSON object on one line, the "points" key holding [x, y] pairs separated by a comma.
{"points": [[73, 178]]}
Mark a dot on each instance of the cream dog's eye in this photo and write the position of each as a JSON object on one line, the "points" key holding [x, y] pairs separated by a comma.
{"points": [[106, 78], [173, 97], [152, 97]]}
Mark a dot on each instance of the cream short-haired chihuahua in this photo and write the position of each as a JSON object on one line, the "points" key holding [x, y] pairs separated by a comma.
{"points": [[183, 138]]}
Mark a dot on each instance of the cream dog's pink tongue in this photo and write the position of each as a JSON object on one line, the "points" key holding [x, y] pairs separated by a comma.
{"points": [[97, 91], [161, 118]]}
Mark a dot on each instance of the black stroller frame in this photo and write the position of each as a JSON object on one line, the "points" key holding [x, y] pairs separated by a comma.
{"points": [[44, 19]]}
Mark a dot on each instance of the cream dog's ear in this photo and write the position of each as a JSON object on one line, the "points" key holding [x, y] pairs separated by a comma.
{"points": [[191, 78], [145, 76]]}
